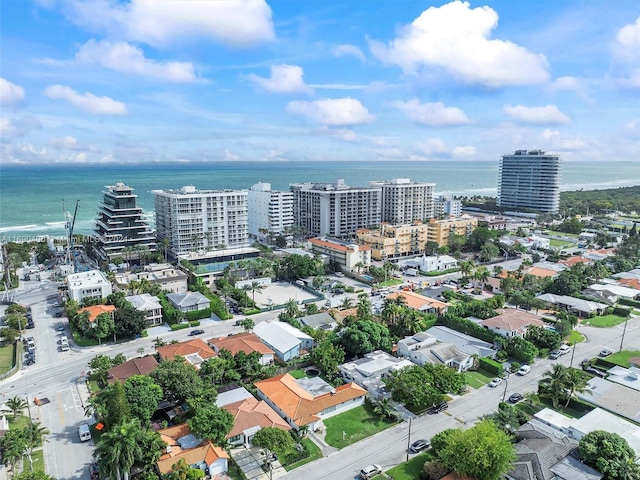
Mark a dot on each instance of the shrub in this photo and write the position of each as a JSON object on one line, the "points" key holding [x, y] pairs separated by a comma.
{"points": [[491, 366], [515, 366], [198, 314], [179, 326], [621, 311], [433, 470]]}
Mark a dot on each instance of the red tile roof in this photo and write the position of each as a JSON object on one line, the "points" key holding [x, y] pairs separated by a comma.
{"points": [[513, 320], [169, 352], [417, 301], [96, 310], [250, 413], [204, 451], [242, 342], [135, 366]]}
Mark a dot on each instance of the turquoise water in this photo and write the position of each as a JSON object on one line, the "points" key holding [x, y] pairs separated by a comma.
{"points": [[31, 197]]}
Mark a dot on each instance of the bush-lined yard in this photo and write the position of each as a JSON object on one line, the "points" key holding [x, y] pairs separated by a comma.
{"points": [[354, 425], [604, 321]]}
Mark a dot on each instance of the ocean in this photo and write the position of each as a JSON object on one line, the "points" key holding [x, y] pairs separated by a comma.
{"points": [[32, 197]]}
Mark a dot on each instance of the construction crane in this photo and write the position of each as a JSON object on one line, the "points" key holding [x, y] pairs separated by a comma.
{"points": [[70, 222]]}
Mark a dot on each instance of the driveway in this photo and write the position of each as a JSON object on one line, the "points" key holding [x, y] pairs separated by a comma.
{"points": [[250, 461]]}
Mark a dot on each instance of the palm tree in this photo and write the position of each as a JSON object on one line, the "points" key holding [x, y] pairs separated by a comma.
{"points": [[164, 246], [34, 435], [346, 303], [466, 268], [482, 275], [16, 405], [384, 408], [291, 309], [575, 382], [255, 285], [364, 307], [119, 448], [554, 383], [531, 399], [359, 266]]}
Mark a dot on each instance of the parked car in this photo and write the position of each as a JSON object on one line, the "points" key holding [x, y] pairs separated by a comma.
{"points": [[515, 397], [564, 349], [555, 354], [370, 471], [196, 332], [524, 370], [605, 352], [495, 382], [438, 407], [339, 274], [420, 445], [596, 372]]}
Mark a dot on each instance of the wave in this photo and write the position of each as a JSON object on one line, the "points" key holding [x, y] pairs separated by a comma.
{"points": [[19, 228]]}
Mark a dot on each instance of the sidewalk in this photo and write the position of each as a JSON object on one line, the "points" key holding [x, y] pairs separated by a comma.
{"points": [[318, 439]]}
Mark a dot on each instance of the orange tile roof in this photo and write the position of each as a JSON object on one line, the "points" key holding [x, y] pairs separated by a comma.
{"points": [[205, 451], [630, 282], [298, 404], [243, 342], [250, 413], [169, 352], [571, 261], [95, 310], [417, 301], [513, 320], [135, 366], [541, 272], [336, 246]]}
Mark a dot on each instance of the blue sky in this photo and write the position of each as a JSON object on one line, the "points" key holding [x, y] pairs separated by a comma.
{"points": [[106, 81]]}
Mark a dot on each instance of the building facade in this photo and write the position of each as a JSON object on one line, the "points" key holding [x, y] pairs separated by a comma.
{"points": [[335, 209], [440, 230], [194, 220], [530, 180], [404, 201], [88, 285], [270, 211], [447, 206], [121, 229], [394, 241], [344, 256]]}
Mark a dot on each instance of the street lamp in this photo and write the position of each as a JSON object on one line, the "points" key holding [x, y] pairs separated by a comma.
{"points": [[506, 385]]}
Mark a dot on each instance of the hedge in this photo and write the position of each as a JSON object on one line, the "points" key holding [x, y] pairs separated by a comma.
{"points": [[179, 326], [628, 302], [198, 314], [621, 311], [468, 327], [491, 366]]}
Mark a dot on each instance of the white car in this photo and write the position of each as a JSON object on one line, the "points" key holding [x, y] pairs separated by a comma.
{"points": [[524, 370], [564, 349], [370, 471], [605, 352], [495, 382]]}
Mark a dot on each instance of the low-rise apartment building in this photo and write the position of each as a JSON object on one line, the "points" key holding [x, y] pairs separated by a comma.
{"points": [[394, 241], [344, 255], [439, 231], [88, 285]]}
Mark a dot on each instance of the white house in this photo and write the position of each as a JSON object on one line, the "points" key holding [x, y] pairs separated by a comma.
{"points": [[423, 348], [285, 340], [189, 301], [87, 285], [369, 371], [434, 263], [148, 304]]}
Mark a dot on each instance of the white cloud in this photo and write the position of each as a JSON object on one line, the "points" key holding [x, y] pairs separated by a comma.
{"points": [[571, 84], [431, 146], [160, 23], [122, 57], [554, 140], [87, 102], [455, 39], [627, 44], [18, 127], [547, 115], [346, 50], [332, 112], [463, 151], [284, 79], [10, 93], [228, 156], [344, 134], [431, 114], [70, 143]]}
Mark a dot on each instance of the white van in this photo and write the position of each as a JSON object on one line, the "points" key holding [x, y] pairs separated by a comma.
{"points": [[84, 432], [64, 343]]}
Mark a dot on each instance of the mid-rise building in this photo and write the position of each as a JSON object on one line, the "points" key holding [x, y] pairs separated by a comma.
{"points": [[165, 275], [88, 285], [395, 241], [447, 206], [270, 211], [530, 180], [121, 228], [192, 220], [335, 209], [404, 201], [440, 230], [342, 255]]}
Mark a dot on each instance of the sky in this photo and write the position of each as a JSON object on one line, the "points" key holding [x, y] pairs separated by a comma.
{"points": [[142, 81]]}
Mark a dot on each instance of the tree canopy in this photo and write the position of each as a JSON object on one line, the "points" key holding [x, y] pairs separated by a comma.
{"points": [[211, 422], [364, 336], [424, 385], [606, 452], [143, 395], [275, 440]]}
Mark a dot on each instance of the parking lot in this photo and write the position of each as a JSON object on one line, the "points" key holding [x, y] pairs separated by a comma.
{"points": [[279, 293]]}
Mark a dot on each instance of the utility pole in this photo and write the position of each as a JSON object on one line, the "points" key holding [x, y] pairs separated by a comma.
{"points": [[506, 385], [409, 440], [623, 332], [573, 352]]}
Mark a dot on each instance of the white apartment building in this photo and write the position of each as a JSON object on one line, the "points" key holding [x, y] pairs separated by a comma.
{"points": [[91, 284], [166, 275], [201, 220], [447, 206], [346, 256], [149, 305], [530, 180], [270, 211], [404, 201], [335, 209]]}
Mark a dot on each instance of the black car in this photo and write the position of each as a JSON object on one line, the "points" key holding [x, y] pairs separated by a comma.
{"points": [[196, 332], [438, 407], [515, 397], [420, 445]]}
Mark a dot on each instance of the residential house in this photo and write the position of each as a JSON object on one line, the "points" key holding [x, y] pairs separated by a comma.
{"points": [[582, 308], [611, 292], [542, 454], [249, 415], [597, 255], [344, 255], [423, 348], [135, 366], [571, 261], [370, 370], [88, 285], [307, 401], [197, 453], [433, 263], [545, 269], [195, 351], [618, 393], [421, 303], [466, 343], [189, 301], [321, 321], [165, 275], [243, 342], [95, 310], [285, 340], [149, 305], [511, 322]]}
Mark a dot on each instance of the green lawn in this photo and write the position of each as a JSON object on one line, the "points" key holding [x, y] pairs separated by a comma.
{"points": [[604, 321], [558, 243], [575, 337], [355, 424], [553, 233], [622, 358], [478, 378], [38, 461], [6, 358], [391, 282], [314, 451], [297, 374], [19, 422], [410, 470]]}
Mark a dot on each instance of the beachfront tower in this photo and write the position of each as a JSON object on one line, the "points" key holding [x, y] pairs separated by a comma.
{"points": [[529, 180], [404, 201], [121, 229], [270, 212]]}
